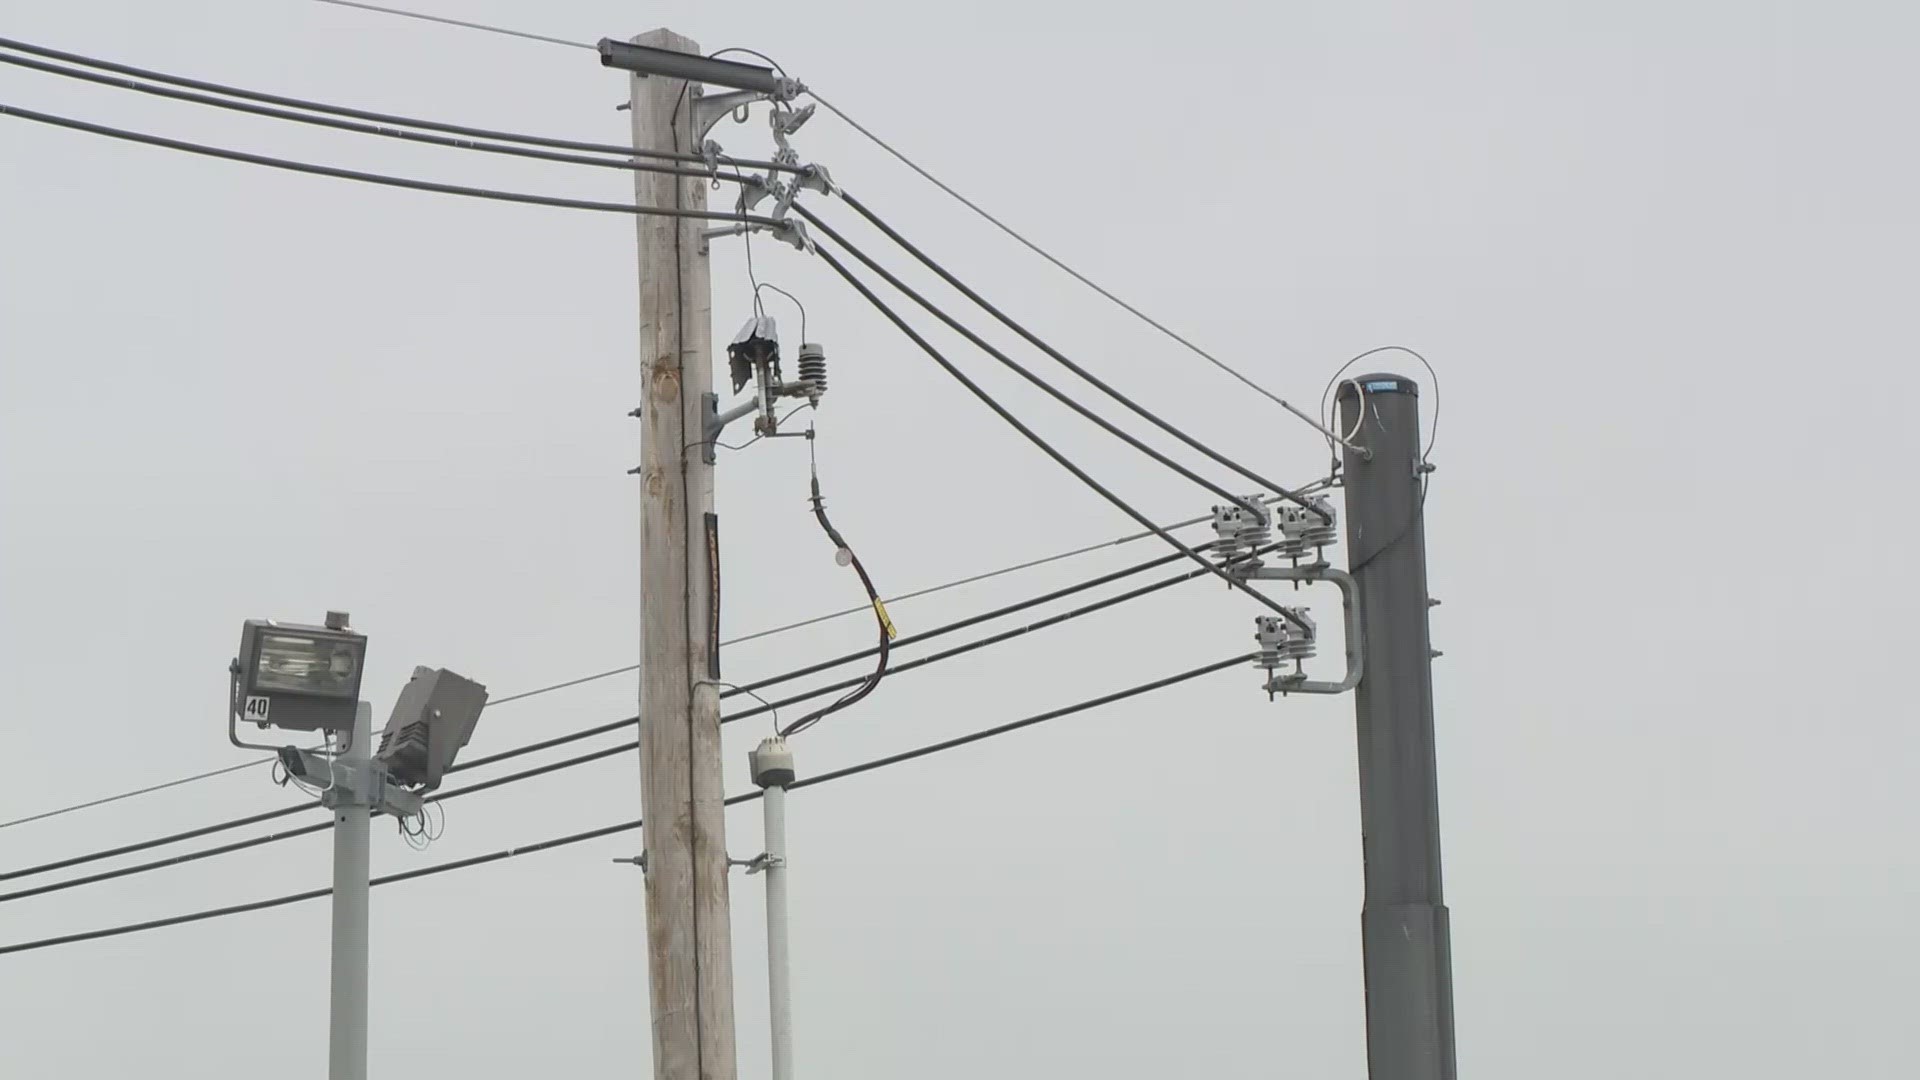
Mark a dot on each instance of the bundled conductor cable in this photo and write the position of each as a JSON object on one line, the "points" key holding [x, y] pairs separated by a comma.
{"points": [[845, 557]]}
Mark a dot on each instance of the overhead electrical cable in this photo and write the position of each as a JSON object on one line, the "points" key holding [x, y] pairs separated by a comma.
{"points": [[749, 688], [375, 178], [883, 650], [307, 830], [627, 826], [1020, 369], [373, 129], [377, 117], [1037, 440], [1070, 271], [443, 20], [930, 590], [1010, 323]]}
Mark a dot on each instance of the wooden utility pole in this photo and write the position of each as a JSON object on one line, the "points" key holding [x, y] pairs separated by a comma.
{"points": [[689, 943]]}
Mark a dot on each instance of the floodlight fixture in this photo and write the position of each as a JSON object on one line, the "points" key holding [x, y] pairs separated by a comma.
{"points": [[432, 719], [299, 677], [646, 60]]}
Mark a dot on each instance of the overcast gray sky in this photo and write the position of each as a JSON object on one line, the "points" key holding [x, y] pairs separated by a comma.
{"points": [[1660, 252]]}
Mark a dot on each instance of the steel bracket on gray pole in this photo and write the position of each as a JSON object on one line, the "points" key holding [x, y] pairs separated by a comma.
{"points": [[1350, 606]]}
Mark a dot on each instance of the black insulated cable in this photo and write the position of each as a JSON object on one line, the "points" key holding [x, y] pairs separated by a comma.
{"points": [[1064, 398], [1048, 448], [371, 129], [1008, 321], [628, 722], [364, 114], [374, 178], [628, 826]]}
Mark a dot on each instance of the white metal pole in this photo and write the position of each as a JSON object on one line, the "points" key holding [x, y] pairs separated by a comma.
{"points": [[772, 767], [779, 986], [347, 1045]]}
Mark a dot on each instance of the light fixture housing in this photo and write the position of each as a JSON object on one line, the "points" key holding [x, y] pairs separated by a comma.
{"points": [[299, 677], [647, 60], [432, 720]]}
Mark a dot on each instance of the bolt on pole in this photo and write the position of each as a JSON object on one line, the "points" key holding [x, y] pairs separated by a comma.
{"points": [[1404, 924]]}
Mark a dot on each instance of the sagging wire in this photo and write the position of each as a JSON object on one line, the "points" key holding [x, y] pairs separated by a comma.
{"points": [[1329, 398], [845, 557], [424, 829], [758, 309]]}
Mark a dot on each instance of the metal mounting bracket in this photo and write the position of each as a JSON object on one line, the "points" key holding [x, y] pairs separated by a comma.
{"points": [[707, 111], [1350, 604], [716, 421]]}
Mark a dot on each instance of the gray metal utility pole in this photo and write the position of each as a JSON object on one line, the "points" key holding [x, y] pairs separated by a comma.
{"points": [[347, 1027], [1409, 962], [689, 943]]}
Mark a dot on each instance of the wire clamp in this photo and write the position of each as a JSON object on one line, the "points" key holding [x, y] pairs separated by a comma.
{"points": [[817, 178], [762, 861], [795, 233]]}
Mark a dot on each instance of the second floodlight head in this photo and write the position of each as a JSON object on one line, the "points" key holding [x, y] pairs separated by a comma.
{"points": [[432, 719]]}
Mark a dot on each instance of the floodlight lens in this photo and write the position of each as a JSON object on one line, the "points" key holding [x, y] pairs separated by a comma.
{"points": [[303, 665]]}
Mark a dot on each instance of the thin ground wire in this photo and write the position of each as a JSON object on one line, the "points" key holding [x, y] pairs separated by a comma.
{"points": [[423, 17], [139, 791], [1070, 271], [1433, 377], [627, 826], [381, 130], [371, 178]]}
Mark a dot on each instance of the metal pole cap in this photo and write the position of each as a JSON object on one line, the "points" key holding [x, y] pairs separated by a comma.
{"points": [[771, 763]]}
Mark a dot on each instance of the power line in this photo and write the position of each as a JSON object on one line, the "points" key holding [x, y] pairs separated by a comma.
{"points": [[615, 149], [981, 643], [1006, 320], [862, 609], [130, 794], [627, 826], [305, 830], [1027, 373], [1035, 438], [616, 725], [376, 178], [121, 83], [422, 16], [1071, 272]]}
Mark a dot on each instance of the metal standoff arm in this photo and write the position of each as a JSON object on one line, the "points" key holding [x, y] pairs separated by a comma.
{"points": [[1291, 648]]}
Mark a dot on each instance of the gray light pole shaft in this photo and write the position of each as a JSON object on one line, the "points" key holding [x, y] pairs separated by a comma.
{"points": [[347, 1029], [779, 973], [1404, 930], [689, 942]]}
